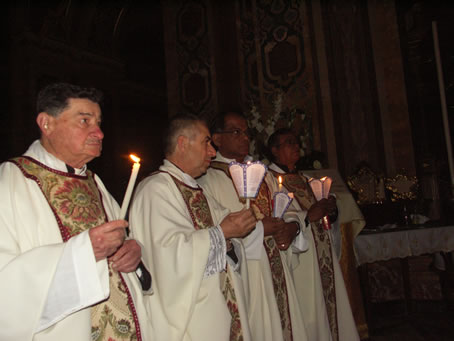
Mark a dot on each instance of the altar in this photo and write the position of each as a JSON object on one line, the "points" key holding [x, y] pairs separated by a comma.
{"points": [[396, 264]]}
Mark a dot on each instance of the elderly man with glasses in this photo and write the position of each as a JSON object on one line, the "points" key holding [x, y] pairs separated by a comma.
{"points": [[274, 313]]}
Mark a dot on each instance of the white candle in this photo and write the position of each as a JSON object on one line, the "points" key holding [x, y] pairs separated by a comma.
{"points": [[248, 203], [280, 183], [132, 181]]}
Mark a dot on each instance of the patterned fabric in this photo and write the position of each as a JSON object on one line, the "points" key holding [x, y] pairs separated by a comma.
{"points": [[297, 184], [262, 208], [77, 205], [199, 210]]}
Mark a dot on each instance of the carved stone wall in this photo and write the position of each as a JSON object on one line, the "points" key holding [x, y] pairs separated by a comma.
{"points": [[277, 69], [189, 52], [242, 55]]}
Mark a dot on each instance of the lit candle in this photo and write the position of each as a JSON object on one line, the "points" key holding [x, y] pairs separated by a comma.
{"points": [[132, 181], [280, 183]]}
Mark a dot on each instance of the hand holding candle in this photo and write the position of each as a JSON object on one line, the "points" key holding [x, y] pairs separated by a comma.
{"points": [[320, 188], [129, 189]]}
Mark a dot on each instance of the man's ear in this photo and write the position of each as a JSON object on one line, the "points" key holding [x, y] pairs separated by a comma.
{"points": [[45, 123], [182, 143], [216, 138]]}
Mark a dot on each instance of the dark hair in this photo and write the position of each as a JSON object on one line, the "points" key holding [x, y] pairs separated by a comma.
{"points": [[53, 99], [218, 123], [273, 141], [175, 128]]}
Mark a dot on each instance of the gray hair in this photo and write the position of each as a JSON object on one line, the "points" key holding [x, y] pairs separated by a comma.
{"points": [[180, 124]]}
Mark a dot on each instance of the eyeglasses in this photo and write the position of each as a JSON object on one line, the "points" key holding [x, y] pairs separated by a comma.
{"points": [[236, 132]]}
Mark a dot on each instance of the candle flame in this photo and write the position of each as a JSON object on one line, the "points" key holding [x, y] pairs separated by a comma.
{"points": [[134, 158], [248, 163], [280, 179], [323, 179]]}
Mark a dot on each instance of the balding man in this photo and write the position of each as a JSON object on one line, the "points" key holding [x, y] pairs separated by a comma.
{"points": [[189, 242]]}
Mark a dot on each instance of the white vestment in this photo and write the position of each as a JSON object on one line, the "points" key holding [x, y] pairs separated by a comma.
{"points": [[307, 278], [47, 286], [187, 304], [264, 317]]}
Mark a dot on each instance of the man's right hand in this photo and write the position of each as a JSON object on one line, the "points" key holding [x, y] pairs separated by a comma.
{"points": [[272, 225], [321, 208], [107, 238], [238, 224]]}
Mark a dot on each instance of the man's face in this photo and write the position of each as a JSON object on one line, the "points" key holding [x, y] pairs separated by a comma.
{"points": [[75, 136], [233, 142], [199, 152], [288, 150]]}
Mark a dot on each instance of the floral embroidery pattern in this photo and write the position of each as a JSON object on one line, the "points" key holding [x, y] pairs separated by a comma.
{"points": [[75, 200], [77, 205], [199, 209], [262, 204], [298, 185]]}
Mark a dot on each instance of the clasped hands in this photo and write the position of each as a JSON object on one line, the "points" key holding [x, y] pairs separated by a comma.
{"points": [[282, 232], [108, 241]]}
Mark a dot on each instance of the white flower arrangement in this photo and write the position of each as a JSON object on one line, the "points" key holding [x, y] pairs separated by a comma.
{"points": [[263, 125]]}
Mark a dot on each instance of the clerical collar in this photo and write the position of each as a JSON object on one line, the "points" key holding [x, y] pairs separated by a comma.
{"points": [[285, 168], [70, 169], [186, 178], [38, 152]]}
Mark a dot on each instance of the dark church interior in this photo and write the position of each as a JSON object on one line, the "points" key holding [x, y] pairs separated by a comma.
{"points": [[368, 85]]}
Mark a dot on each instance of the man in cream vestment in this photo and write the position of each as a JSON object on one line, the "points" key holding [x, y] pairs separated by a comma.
{"points": [[198, 291], [274, 313], [58, 226], [318, 278]]}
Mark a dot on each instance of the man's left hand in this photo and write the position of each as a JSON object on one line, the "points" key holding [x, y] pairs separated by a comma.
{"points": [[127, 257], [284, 237]]}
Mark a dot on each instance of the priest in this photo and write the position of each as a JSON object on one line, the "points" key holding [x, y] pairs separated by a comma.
{"points": [[318, 278], [274, 313], [189, 240], [67, 271]]}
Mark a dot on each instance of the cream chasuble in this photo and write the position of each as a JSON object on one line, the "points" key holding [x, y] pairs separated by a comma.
{"points": [[47, 207], [321, 289], [274, 313], [171, 219], [77, 206]]}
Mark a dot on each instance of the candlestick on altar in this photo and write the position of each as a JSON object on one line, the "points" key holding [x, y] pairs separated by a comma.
{"points": [[444, 108], [132, 180]]}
